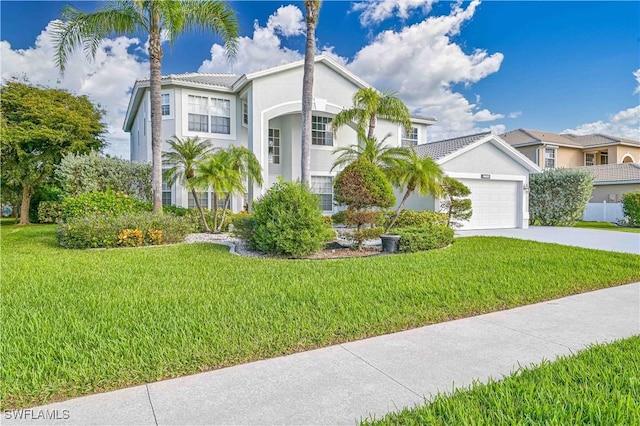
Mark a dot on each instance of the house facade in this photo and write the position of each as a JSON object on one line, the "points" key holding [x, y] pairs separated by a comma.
{"points": [[562, 150], [261, 111]]}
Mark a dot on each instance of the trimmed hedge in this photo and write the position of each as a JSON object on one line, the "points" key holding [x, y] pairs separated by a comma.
{"points": [[129, 229], [412, 218], [631, 207], [110, 203], [427, 237], [558, 197], [362, 184]]}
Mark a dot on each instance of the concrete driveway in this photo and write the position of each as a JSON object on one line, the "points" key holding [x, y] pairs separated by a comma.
{"points": [[623, 242]]}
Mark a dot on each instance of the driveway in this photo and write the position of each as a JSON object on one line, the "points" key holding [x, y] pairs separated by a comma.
{"points": [[623, 242]]}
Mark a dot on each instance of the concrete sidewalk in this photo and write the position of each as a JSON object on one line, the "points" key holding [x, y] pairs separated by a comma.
{"points": [[344, 383]]}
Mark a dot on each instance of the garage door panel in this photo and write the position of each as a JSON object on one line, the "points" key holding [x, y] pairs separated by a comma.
{"points": [[495, 204]]}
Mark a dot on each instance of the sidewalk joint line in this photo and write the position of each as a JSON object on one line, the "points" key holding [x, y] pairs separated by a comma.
{"points": [[155, 419], [385, 374], [528, 334]]}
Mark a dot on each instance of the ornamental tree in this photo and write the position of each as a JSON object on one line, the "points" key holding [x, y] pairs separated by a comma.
{"points": [[455, 204]]}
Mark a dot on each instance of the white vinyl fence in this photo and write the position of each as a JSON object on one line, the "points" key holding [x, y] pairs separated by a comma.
{"points": [[603, 212]]}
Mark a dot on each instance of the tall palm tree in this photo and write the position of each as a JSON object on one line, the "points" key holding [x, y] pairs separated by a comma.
{"points": [[312, 8], [368, 106], [371, 150], [182, 163], [217, 171], [153, 17], [415, 174]]}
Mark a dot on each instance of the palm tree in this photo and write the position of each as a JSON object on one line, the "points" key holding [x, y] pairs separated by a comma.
{"points": [[154, 17], [248, 167], [417, 174], [372, 150], [217, 171], [368, 106], [312, 8], [182, 161]]}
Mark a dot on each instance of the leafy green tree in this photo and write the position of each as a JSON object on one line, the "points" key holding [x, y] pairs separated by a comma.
{"points": [[371, 150], [155, 18], [368, 106], [631, 207], [415, 174], [558, 197], [456, 203], [182, 161], [39, 126], [312, 13], [362, 185]]}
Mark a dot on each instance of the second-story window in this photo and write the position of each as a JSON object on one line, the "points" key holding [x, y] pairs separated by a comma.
{"points": [[166, 104], [604, 157], [589, 159], [197, 114], [550, 158], [321, 133], [210, 115], [245, 113], [410, 138], [220, 116], [274, 146]]}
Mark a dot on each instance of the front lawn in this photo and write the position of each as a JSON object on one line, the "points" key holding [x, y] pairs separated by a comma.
{"points": [[606, 226], [77, 322], [598, 386]]}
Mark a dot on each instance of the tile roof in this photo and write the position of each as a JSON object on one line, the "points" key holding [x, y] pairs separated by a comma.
{"points": [[218, 80], [526, 136], [623, 172], [440, 149]]}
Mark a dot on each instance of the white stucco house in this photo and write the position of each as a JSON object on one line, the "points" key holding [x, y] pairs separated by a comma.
{"points": [[495, 172], [262, 111]]}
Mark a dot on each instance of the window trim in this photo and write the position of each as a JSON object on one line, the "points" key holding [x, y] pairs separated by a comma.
{"points": [[593, 158], [412, 142], [245, 113], [323, 175], [324, 131], [553, 150], [170, 114], [604, 154], [208, 134]]}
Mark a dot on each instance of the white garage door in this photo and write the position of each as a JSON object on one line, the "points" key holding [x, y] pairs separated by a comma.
{"points": [[495, 203]]}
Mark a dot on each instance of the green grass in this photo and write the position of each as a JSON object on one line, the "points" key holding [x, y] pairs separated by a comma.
{"points": [[606, 226], [77, 322], [598, 386]]}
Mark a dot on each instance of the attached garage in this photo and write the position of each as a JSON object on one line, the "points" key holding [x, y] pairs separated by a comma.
{"points": [[496, 174]]}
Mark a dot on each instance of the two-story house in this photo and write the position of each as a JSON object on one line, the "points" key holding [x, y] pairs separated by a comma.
{"points": [[553, 150], [262, 111]]}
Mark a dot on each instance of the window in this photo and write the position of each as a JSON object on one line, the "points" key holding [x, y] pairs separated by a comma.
{"points": [[589, 159], [321, 133], [166, 194], [410, 138], [220, 116], [198, 118], [323, 186], [220, 200], [166, 106], [245, 113], [274, 146], [604, 157], [549, 158], [203, 198]]}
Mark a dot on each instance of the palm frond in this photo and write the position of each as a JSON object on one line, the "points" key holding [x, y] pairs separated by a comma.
{"points": [[215, 16]]}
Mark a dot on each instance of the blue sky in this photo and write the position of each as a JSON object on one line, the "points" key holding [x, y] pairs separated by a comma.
{"points": [[498, 65]]}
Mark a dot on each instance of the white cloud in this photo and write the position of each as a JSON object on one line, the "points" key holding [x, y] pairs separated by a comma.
{"points": [[625, 123], [422, 63], [515, 114], [264, 49], [377, 11], [106, 80]]}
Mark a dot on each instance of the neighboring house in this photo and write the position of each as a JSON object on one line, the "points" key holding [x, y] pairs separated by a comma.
{"points": [[552, 150], [496, 174], [261, 111], [613, 180]]}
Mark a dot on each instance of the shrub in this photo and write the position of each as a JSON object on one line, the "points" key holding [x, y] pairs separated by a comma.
{"points": [[456, 204], [427, 237], [288, 221], [558, 197], [359, 218], [107, 231], [78, 174], [358, 236], [175, 210], [49, 211], [362, 184], [631, 207], [130, 238], [105, 203], [243, 226], [339, 218], [412, 218]]}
